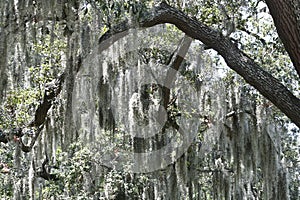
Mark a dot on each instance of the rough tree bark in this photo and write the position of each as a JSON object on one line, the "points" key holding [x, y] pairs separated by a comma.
{"points": [[264, 82], [286, 15]]}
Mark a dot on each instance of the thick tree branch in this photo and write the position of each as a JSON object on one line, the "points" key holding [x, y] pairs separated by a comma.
{"points": [[176, 61], [51, 91], [264, 82], [174, 65]]}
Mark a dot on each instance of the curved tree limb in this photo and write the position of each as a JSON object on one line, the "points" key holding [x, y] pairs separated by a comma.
{"points": [[264, 82]]}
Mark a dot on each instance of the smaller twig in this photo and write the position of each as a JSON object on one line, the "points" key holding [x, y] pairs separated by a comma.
{"points": [[45, 174], [263, 41], [230, 114]]}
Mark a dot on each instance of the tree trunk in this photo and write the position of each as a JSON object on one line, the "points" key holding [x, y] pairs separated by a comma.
{"points": [[286, 16]]}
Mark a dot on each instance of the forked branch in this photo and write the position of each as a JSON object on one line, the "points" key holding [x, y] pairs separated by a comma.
{"points": [[264, 82]]}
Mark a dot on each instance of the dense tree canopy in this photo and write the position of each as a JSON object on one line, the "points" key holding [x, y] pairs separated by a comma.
{"points": [[65, 65]]}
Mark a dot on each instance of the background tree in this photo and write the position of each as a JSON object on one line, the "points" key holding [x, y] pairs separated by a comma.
{"points": [[245, 147]]}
